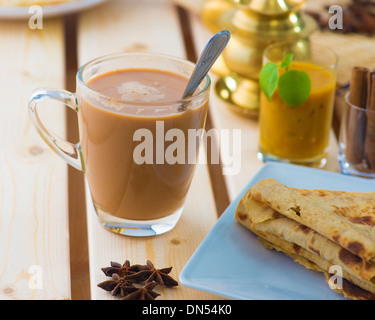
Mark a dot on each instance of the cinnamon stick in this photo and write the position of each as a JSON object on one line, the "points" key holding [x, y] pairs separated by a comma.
{"points": [[356, 122], [370, 126]]}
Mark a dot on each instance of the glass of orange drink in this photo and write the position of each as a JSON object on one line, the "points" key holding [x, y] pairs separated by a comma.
{"points": [[299, 134]]}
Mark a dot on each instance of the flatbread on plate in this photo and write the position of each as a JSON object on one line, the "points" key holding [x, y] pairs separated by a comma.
{"points": [[347, 218], [288, 220]]}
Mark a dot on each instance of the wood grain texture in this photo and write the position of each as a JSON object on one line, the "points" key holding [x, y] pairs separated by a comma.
{"points": [[34, 238], [351, 50], [145, 26], [79, 256]]}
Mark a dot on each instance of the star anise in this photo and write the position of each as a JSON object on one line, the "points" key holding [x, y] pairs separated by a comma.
{"points": [[125, 280], [149, 274], [118, 285], [121, 270], [141, 293]]}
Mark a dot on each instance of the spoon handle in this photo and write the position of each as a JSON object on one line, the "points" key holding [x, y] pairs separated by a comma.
{"points": [[210, 53]]}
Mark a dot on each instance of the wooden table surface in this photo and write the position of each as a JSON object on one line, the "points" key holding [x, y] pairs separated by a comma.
{"points": [[51, 244]]}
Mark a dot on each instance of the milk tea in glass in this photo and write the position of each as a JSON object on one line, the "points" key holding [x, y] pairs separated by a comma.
{"points": [[134, 145]]}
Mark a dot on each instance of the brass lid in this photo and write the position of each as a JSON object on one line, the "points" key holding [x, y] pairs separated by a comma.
{"points": [[270, 7], [264, 20]]}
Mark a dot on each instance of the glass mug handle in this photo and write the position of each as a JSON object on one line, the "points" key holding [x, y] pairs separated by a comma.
{"points": [[70, 152]]}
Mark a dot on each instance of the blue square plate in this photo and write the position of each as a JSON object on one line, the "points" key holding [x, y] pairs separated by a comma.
{"points": [[232, 263]]}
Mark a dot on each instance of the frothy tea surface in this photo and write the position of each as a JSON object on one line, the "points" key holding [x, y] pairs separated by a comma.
{"points": [[119, 186], [140, 85]]}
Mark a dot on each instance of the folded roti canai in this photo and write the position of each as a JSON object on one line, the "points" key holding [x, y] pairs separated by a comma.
{"points": [[317, 228]]}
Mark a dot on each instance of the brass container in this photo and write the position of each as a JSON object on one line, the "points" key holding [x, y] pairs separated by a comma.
{"points": [[254, 24]]}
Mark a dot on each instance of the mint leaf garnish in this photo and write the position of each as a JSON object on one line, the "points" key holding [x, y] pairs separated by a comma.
{"points": [[287, 60], [294, 85], [268, 79]]}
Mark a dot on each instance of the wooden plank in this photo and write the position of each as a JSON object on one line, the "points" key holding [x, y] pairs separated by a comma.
{"points": [[79, 256], [224, 118], [34, 242], [144, 26]]}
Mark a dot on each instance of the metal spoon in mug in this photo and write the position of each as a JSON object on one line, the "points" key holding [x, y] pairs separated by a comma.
{"points": [[210, 53]]}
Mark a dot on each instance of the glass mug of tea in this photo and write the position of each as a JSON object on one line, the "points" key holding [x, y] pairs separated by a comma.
{"points": [[133, 134]]}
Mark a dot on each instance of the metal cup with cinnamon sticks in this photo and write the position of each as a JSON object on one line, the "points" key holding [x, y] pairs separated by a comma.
{"points": [[357, 139], [370, 127]]}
